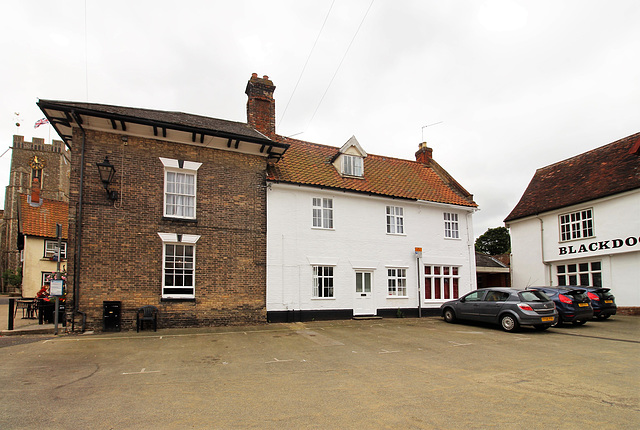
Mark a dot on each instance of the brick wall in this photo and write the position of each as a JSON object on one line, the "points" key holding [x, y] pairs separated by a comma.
{"points": [[121, 257]]}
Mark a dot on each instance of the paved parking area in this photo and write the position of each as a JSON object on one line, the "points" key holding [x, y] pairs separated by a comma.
{"points": [[390, 373]]}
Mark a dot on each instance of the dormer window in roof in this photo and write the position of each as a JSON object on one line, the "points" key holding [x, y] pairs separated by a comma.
{"points": [[350, 159]]}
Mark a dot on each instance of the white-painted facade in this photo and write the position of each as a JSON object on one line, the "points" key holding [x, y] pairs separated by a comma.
{"points": [[611, 252], [358, 242]]}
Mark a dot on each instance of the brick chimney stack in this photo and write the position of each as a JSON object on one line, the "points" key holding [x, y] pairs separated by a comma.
{"points": [[35, 191], [261, 107], [424, 154]]}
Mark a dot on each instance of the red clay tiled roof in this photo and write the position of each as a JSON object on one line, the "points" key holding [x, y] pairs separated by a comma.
{"points": [[41, 220], [601, 172], [308, 163]]}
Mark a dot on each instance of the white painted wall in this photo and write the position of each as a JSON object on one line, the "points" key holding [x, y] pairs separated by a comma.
{"points": [[33, 265], [357, 241], [616, 245]]}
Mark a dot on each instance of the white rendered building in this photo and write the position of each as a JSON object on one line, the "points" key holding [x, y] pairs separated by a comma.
{"points": [[354, 234], [578, 223]]}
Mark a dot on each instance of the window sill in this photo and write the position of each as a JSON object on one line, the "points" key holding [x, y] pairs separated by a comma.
{"points": [[322, 228], [577, 239], [172, 219], [452, 238], [397, 234], [323, 298], [397, 297], [175, 299]]}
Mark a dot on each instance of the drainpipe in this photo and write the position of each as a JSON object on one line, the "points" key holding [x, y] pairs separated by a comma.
{"points": [[542, 250], [78, 253]]}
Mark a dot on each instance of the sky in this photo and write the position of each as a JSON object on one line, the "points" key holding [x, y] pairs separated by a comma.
{"points": [[498, 88]]}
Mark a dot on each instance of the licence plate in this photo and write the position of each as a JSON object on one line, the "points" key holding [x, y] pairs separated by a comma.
{"points": [[608, 301], [545, 319], [583, 304]]}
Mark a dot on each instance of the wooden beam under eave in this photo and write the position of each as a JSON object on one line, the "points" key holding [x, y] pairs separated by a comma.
{"points": [[237, 143], [262, 148], [164, 131], [229, 143], [124, 125], [113, 124], [202, 138], [193, 137], [155, 130]]}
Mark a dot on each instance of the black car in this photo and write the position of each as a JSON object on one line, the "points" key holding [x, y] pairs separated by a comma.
{"points": [[602, 302], [572, 303], [508, 307]]}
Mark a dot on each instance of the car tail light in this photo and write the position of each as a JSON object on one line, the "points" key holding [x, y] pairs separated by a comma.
{"points": [[593, 296], [525, 307], [565, 299]]}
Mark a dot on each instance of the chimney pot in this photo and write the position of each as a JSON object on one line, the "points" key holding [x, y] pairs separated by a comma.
{"points": [[265, 77], [254, 75]]}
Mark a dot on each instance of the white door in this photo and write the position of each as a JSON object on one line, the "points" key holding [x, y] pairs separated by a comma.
{"points": [[363, 304]]}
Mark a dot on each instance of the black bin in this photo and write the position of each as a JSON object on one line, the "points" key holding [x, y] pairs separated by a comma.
{"points": [[111, 313]]}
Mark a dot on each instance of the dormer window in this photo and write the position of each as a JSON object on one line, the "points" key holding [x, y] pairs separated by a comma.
{"points": [[350, 159], [351, 165]]}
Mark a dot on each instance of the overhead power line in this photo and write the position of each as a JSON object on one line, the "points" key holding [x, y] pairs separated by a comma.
{"points": [[306, 62], [340, 64]]}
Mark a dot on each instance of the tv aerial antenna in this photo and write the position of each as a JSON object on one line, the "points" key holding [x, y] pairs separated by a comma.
{"points": [[429, 125]]}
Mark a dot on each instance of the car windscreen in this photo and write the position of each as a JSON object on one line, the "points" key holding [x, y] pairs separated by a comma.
{"points": [[533, 296]]}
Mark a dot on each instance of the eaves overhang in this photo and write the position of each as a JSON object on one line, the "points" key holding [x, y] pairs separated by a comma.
{"points": [[64, 116], [468, 208]]}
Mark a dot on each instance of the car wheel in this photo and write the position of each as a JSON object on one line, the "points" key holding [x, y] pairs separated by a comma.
{"points": [[541, 327], [509, 323], [558, 322], [579, 322], [603, 317], [449, 315]]}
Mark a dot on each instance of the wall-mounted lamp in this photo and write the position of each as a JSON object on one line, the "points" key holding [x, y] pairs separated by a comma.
{"points": [[107, 171]]}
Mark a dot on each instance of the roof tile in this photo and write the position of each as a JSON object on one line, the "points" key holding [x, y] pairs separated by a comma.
{"points": [[41, 220], [611, 169], [310, 164]]}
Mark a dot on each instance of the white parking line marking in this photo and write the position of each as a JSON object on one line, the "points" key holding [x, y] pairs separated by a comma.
{"points": [[275, 360], [384, 351], [459, 344], [142, 371]]}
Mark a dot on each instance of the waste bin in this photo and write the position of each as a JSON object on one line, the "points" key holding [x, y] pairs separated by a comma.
{"points": [[111, 312]]}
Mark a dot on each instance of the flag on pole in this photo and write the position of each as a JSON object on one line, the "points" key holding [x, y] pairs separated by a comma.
{"points": [[40, 122]]}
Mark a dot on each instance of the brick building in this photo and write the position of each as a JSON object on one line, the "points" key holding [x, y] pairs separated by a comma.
{"points": [[183, 224], [50, 164]]}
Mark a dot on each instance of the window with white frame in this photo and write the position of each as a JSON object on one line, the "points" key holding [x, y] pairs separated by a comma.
{"points": [[180, 185], [323, 281], [352, 165], [322, 212], [576, 225], [441, 282], [397, 282], [363, 283], [51, 249], [451, 229], [178, 265], [395, 220], [585, 274]]}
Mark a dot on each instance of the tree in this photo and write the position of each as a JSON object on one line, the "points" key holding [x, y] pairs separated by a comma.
{"points": [[494, 241]]}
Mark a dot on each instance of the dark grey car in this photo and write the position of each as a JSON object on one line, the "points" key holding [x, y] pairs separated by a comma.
{"points": [[508, 307]]}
